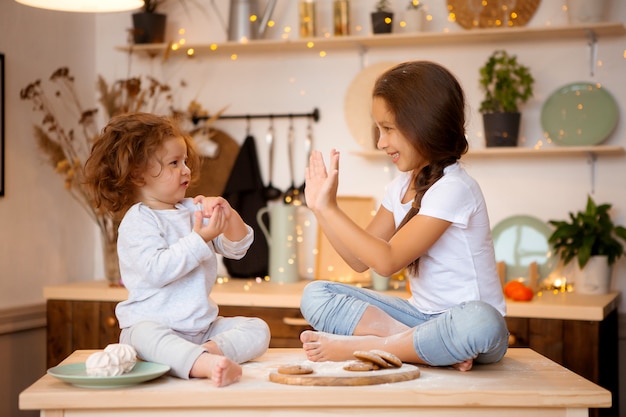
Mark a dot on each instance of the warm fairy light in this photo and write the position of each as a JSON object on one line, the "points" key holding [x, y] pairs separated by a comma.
{"points": [[388, 20], [213, 47], [310, 44], [451, 17], [181, 31], [233, 57], [190, 52], [271, 24], [175, 47], [182, 41], [253, 18], [287, 29], [322, 54], [402, 24]]}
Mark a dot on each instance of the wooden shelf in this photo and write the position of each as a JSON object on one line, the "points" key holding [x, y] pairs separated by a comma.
{"points": [[514, 152], [385, 40]]}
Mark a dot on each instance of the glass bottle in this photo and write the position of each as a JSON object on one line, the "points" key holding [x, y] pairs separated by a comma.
{"points": [[306, 12], [341, 17]]}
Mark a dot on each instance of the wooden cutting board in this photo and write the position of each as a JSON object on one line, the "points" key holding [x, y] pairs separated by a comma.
{"points": [[341, 377]]}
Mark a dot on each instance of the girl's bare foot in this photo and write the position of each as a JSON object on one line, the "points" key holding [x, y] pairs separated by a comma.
{"points": [[320, 346], [464, 366], [221, 370]]}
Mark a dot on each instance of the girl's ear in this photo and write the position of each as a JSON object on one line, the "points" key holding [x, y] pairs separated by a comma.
{"points": [[137, 179]]}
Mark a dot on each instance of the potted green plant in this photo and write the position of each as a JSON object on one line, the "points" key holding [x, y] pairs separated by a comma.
{"points": [[148, 24], [506, 84], [382, 17], [592, 240]]}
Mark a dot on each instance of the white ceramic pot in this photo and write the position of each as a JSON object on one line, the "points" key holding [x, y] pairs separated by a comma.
{"points": [[594, 278], [587, 11], [281, 238]]}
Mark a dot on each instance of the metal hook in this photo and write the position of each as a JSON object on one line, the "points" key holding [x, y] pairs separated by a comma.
{"points": [[592, 41]]}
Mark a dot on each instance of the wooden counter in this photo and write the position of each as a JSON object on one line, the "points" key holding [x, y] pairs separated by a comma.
{"points": [[253, 293], [82, 316], [524, 383]]}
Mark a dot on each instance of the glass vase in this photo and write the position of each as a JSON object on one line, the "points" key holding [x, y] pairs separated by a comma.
{"points": [[111, 260]]}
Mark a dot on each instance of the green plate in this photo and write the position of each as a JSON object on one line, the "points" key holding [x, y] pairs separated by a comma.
{"points": [[76, 374], [520, 241], [579, 114]]}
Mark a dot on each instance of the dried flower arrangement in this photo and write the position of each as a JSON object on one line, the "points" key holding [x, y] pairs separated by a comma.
{"points": [[67, 130]]}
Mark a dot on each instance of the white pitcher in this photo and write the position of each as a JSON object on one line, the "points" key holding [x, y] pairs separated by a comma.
{"points": [[281, 239]]}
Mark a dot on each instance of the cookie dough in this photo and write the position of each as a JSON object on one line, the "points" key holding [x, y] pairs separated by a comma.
{"points": [[368, 356], [295, 370], [390, 358], [360, 366]]}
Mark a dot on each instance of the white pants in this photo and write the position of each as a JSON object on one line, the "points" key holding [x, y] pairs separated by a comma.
{"points": [[239, 338]]}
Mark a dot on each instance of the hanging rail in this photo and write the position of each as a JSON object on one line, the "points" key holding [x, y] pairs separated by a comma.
{"points": [[315, 115]]}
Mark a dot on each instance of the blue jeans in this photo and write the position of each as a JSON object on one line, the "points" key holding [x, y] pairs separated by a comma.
{"points": [[470, 330]]}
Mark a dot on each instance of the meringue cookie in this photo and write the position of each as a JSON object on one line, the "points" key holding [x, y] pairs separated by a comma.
{"points": [[103, 364], [126, 353]]}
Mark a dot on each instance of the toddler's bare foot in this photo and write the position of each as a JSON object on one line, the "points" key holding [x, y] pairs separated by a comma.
{"points": [[464, 366], [221, 370], [224, 371]]}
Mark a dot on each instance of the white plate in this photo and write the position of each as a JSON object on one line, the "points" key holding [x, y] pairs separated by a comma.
{"points": [[520, 241], [76, 374]]}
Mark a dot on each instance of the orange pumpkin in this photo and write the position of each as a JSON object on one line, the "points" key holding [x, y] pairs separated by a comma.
{"points": [[517, 291]]}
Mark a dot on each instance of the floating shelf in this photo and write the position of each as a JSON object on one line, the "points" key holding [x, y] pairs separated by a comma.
{"points": [[514, 152], [384, 40]]}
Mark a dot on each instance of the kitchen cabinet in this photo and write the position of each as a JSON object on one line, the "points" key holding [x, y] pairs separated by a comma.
{"points": [[589, 348]]}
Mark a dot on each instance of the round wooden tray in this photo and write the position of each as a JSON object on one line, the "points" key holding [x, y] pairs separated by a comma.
{"points": [[341, 377], [492, 14]]}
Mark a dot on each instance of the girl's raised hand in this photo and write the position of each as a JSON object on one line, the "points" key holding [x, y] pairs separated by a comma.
{"points": [[209, 204], [210, 228], [321, 184]]}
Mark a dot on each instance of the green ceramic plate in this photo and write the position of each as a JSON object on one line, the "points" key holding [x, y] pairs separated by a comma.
{"points": [[75, 374], [520, 241], [579, 114]]}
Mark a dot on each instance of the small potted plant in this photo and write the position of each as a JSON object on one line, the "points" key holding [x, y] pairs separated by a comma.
{"points": [[593, 241], [382, 17], [506, 84]]}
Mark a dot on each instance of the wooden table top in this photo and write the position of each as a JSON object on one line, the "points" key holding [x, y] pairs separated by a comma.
{"points": [[523, 379]]}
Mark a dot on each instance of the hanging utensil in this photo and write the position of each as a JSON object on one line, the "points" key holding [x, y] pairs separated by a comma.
{"points": [[291, 195], [271, 192], [308, 146]]}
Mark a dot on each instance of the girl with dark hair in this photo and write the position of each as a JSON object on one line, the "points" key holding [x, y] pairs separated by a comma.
{"points": [[433, 220]]}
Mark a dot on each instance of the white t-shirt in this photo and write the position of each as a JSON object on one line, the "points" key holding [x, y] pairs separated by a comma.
{"points": [[461, 265]]}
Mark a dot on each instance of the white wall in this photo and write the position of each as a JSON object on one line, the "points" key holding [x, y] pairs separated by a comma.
{"points": [[45, 238], [298, 82]]}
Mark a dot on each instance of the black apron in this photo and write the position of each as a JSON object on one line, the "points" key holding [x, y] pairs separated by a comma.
{"points": [[244, 191]]}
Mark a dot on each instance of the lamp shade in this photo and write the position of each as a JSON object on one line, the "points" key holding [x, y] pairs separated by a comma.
{"points": [[87, 6]]}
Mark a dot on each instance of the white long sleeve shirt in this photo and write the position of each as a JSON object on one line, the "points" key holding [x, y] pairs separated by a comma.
{"points": [[168, 269]]}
